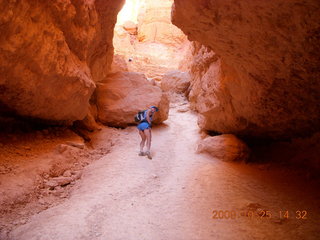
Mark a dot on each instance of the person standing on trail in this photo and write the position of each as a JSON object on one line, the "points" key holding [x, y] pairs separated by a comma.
{"points": [[144, 128]]}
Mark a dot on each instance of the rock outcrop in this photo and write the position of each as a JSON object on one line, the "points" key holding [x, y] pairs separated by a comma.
{"points": [[264, 71], [121, 95], [226, 147], [51, 55]]}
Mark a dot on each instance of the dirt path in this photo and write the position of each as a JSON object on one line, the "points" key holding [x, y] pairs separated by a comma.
{"points": [[124, 196]]}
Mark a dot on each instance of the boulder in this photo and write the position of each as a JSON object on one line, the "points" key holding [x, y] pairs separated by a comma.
{"points": [[58, 181], [121, 95], [175, 81], [51, 55], [263, 81], [226, 147]]}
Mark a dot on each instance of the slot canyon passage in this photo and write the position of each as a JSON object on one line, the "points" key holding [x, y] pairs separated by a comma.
{"points": [[235, 144]]}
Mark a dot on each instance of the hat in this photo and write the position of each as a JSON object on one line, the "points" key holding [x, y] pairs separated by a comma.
{"points": [[157, 109]]}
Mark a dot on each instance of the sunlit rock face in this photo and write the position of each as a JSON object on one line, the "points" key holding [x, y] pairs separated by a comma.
{"points": [[157, 47], [155, 23], [51, 55], [263, 79]]}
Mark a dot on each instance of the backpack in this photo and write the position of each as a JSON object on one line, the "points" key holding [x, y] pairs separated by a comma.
{"points": [[140, 116]]}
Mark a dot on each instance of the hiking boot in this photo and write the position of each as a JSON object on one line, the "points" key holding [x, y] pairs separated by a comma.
{"points": [[148, 155], [142, 154]]}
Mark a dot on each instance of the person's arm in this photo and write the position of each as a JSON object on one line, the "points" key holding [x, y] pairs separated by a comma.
{"points": [[148, 116]]}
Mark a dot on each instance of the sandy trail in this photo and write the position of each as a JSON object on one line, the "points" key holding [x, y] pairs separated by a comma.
{"points": [[172, 196]]}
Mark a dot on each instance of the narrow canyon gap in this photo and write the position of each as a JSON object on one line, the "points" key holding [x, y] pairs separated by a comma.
{"points": [[235, 144]]}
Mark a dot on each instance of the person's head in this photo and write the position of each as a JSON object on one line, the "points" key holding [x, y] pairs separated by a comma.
{"points": [[154, 109]]}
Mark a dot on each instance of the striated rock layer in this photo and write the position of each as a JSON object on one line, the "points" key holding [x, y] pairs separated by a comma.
{"points": [[266, 83], [51, 55]]}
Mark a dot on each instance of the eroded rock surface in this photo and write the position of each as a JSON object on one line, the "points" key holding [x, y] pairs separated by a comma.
{"points": [[175, 81], [266, 81], [51, 55], [121, 95]]}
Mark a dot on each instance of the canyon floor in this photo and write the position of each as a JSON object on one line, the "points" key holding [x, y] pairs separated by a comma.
{"points": [[175, 195]]}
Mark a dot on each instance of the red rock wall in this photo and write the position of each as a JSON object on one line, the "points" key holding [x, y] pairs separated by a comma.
{"points": [[51, 55], [268, 80]]}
